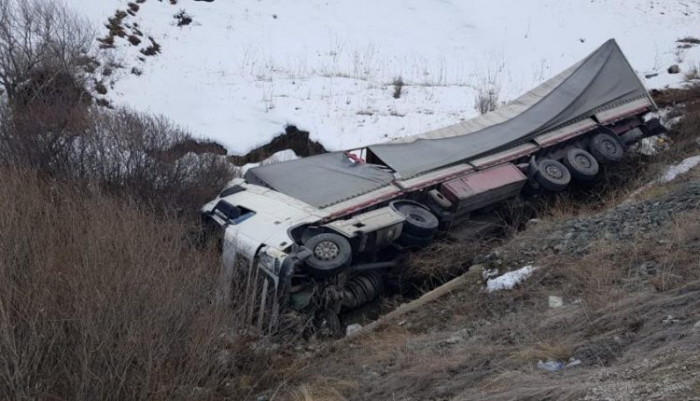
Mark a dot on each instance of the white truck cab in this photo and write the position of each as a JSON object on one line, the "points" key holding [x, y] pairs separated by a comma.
{"points": [[262, 253]]}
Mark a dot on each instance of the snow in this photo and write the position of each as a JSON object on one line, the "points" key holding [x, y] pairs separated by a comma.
{"points": [[244, 70], [681, 168], [509, 280], [281, 156]]}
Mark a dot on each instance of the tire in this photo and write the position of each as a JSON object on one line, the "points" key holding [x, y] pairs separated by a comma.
{"points": [[409, 240], [552, 175], [330, 255], [581, 164], [439, 199], [419, 222], [606, 148]]}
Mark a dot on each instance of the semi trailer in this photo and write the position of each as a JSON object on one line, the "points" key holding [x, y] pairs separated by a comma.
{"points": [[316, 236]]}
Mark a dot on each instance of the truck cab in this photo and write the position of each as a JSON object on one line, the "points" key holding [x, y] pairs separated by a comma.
{"points": [[280, 254]]}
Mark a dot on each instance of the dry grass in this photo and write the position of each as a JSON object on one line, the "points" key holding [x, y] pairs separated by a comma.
{"points": [[102, 300], [477, 345], [322, 389]]}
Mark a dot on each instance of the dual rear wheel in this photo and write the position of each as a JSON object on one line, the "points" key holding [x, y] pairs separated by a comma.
{"points": [[420, 226], [578, 163]]}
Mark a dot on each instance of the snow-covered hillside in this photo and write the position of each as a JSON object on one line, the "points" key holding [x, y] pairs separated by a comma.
{"points": [[242, 70]]}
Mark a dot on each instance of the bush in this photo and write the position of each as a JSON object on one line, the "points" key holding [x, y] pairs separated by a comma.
{"points": [[398, 87], [486, 100], [37, 36], [125, 153], [99, 299]]}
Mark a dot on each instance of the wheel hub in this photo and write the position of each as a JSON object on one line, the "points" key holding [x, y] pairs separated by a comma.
{"points": [[326, 250], [610, 147], [554, 172], [418, 218], [583, 161]]}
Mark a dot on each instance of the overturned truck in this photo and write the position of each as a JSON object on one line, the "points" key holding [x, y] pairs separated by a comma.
{"points": [[317, 235]]}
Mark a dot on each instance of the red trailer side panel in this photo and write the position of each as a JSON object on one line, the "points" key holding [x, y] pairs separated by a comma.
{"points": [[476, 190]]}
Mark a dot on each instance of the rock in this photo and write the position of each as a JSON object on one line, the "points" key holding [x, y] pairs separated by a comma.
{"points": [[670, 320], [352, 329], [550, 366], [696, 326], [453, 340], [674, 69], [224, 359], [555, 302], [573, 362], [480, 259]]}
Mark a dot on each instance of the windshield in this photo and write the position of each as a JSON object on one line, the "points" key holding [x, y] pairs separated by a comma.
{"points": [[232, 214]]}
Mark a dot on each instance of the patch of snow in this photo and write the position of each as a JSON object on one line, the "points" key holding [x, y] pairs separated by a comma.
{"points": [[281, 156], [680, 168], [652, 145], [510, 279], [242, 71]]}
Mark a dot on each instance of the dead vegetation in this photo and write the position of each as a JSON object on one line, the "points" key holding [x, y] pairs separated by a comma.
{"points": [[100, 299], [398, 85], [122, 152], [689, 40]]}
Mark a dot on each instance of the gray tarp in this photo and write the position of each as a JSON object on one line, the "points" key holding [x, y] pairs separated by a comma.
{"points": [[602, 80], [321, 180]]}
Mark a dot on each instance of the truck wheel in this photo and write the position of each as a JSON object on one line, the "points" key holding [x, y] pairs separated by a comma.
{"points": [[419, 222], [581, 164], [330, 254], [606, 148], [552, 175]]}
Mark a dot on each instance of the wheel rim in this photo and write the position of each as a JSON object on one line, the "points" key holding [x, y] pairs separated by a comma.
{"points": [[554, 172], [610, 147], [583, 161], [326, 250]]}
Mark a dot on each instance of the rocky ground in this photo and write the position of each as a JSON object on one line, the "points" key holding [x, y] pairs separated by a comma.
{"points": [[630, 221]]}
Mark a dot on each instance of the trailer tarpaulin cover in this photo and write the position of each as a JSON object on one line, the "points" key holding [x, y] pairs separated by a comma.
{"points": [[603, 80], [321, 180]]}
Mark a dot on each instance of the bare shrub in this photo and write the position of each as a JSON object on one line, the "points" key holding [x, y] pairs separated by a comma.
{"points": [[152, 49], [122, 152], [486, 100], [38, 36], [693, 73], [140, 155], [398, 87], [689, 40], [183, 18]]}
